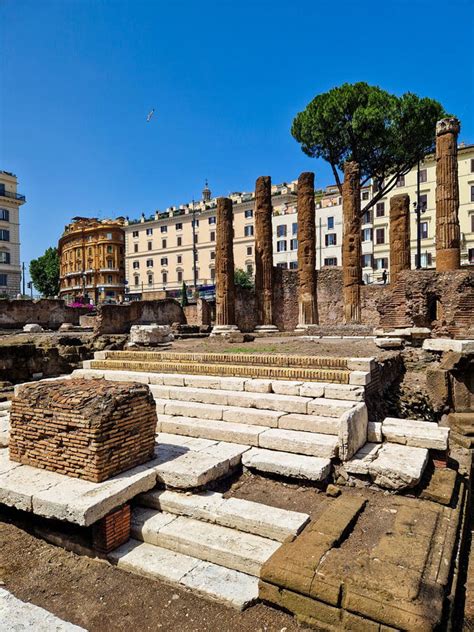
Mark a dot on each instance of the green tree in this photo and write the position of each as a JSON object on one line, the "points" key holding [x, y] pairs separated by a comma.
{"points": [[387, 135], [184, 295], [44, 272], [243, 279]]}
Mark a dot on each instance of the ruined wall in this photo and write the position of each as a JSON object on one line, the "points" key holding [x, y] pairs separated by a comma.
{"points": [[246, 316], [49, 313], [198, 313], [117, 319], [285, 299]]}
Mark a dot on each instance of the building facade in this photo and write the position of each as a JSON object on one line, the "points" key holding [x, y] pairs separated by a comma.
{"points": [[92, 261], [10, 265], [160, 250]]}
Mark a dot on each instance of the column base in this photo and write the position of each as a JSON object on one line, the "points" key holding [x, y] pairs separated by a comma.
{"points": [[305, 327], [220, 330], [265, 329]]}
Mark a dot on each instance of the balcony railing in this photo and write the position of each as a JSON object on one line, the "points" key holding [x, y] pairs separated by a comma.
{"points": [[13, 196]]}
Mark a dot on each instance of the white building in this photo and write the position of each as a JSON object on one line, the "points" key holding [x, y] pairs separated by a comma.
{"points": [[10, 266]]}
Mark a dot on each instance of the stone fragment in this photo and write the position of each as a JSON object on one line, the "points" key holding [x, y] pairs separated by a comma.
{"points": [[264, 252], [310, 423], [310, 444], [286, 387], [328, 407], [374, 432], [448, 344], [441, 486], [258, 386], [307, 297], [351, 243], [418, 434], [333, 491], [33, 328], [312, 389], [448, 234], [389, 343], [210, 429], [253, 416], [360, 462], [360, 378], [286, 464], [352, 431], [150, 335], [398, 467], [399, 235]]}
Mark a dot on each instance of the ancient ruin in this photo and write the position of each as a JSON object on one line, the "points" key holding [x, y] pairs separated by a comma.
{"points": [[225, 287], [399, 235], [264, 253], [351, 245], [307, 305], [447, 196]]}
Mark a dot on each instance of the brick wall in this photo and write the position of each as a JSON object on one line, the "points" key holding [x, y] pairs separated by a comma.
{"points": [[49, 313], [117, 319], [198, 313], [90, 429]]}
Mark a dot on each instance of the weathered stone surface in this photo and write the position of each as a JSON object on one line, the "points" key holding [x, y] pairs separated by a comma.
{"points": [[360, 378], [399, 235], [418, 434], [264, 250], [398, 467], [448, 344], [328, 407], [33, 328], [351, 244], [448, 234], [310, 423], [374, 432], [150, 335], [4, 431], [360, 462], [16, 615], [308, 443], [437, 384], [352, 431], [258, 386], [286, 387], [307, 301], [211, 429], [389, 343], [225, 288], [237, 414], [285, 464], [441, 486]]}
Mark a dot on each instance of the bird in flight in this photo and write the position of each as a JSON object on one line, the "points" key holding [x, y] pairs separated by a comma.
{"points": [[150, 115]]}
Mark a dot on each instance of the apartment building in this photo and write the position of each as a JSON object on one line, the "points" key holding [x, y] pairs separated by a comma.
{"points": [[10, 266]]}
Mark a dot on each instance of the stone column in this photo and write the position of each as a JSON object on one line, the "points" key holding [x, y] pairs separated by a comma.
{"points": [[448, 234], [225, 288], [264, 254], [399, 235], [307, 299], [351, 243]]}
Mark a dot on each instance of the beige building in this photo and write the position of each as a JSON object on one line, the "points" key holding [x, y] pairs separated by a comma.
{"points": [[92, 260], [10, 266]]}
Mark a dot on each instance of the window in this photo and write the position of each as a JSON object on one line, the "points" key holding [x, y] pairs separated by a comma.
{"points": [[424, 230], [250, 249], [163, 229], [423, 175], [367, 234], [472, 193], [281, 246], [423, 202], [365, 195], [149, 263], [367, 217], [213, 273], [135, 247], [137, 280], [163, 243], [381, 263], [281, 230], [109, 236], [248, 230], [330, 223], [426, 260], [110, 249], [401, 181], [380, 209], [293, 244], [472, 223], [472, 165], [293, 265], [330, 239], [282, 264], [471, 255], [150, 279], [212, 220], [3, 279], [179, 241], [366, 261], [179, 259], [4, 214], [248, 213], [249, 268], [109, 278], [164, 261], [294, 228], [150, 245], [135, 233], [110, 263], [4, 257], [179, 226], [179, 276], [149, 231], [212, 235], [213, 255], [330, 261], [164, 277], [380, 236]]}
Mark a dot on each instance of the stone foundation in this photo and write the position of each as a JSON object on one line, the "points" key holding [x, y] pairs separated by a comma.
{"points": [[89, 429], [112, 531]]}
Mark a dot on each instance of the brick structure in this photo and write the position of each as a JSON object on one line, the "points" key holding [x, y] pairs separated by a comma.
{"points": [[264, 253], [307, 303], [351, 243], [89, 429], [225, 287], [448, 234], [112, 531], [399, 235]]}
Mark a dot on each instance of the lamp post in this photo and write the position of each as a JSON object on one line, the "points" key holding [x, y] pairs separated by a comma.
{"points": [[417, 206], [194, 250]]}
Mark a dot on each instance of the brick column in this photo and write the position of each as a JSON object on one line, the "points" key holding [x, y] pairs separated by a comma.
{"points": [[448, 234], [264, 254], [399, 235], [225, 288], [307, 299], [351, 243]]}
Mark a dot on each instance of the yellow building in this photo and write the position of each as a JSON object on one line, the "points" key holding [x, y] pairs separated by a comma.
{"points": [[92, 260], [10, 266]]}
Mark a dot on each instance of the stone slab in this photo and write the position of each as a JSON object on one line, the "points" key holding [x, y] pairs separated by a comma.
{"points": [[374, 432], [389, 343], [328, 407], [441, 486], [203, 506], [360, 378], [310, 423], [447, 344], [4, 431], [20, 616], [344, 391], [418, 434], [360, 462], [258, 386], [312, 389], [269, 401], [286, 387], [191, 409], [245, 434], [352, 431], [307, 443], [286, 464], [398, 467], [252, 416]]}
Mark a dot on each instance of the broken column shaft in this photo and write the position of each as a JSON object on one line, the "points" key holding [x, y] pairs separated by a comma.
{"points": [[351, 243], [399, 235], [264, 253], [307, 300]]}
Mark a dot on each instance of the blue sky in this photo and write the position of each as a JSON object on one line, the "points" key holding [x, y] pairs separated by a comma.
{"points": [[225, 77]]}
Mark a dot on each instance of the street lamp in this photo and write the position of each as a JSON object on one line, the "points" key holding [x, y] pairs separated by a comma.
{"points": [[418, 211], [194, 249]]}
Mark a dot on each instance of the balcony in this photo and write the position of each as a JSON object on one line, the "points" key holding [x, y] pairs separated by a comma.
{"points": [[11, 195]]}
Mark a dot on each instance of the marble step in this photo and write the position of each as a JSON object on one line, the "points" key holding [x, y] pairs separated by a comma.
{"points": [[236, 513], [289, 465], [208, 580], [295, 441], [415, 433], [240, 551]]}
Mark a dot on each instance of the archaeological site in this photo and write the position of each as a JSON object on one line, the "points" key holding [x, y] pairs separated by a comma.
{"points": [[296, 456]]}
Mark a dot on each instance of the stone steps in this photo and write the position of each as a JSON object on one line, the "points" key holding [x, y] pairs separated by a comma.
{"points": [[414, 433], [298, 466], [294, 441]]}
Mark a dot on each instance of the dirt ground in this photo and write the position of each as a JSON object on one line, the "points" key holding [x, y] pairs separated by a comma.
{"points": [[285, 345]]}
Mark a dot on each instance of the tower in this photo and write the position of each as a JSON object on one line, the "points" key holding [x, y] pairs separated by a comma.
{"points": [[206, 193]]}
